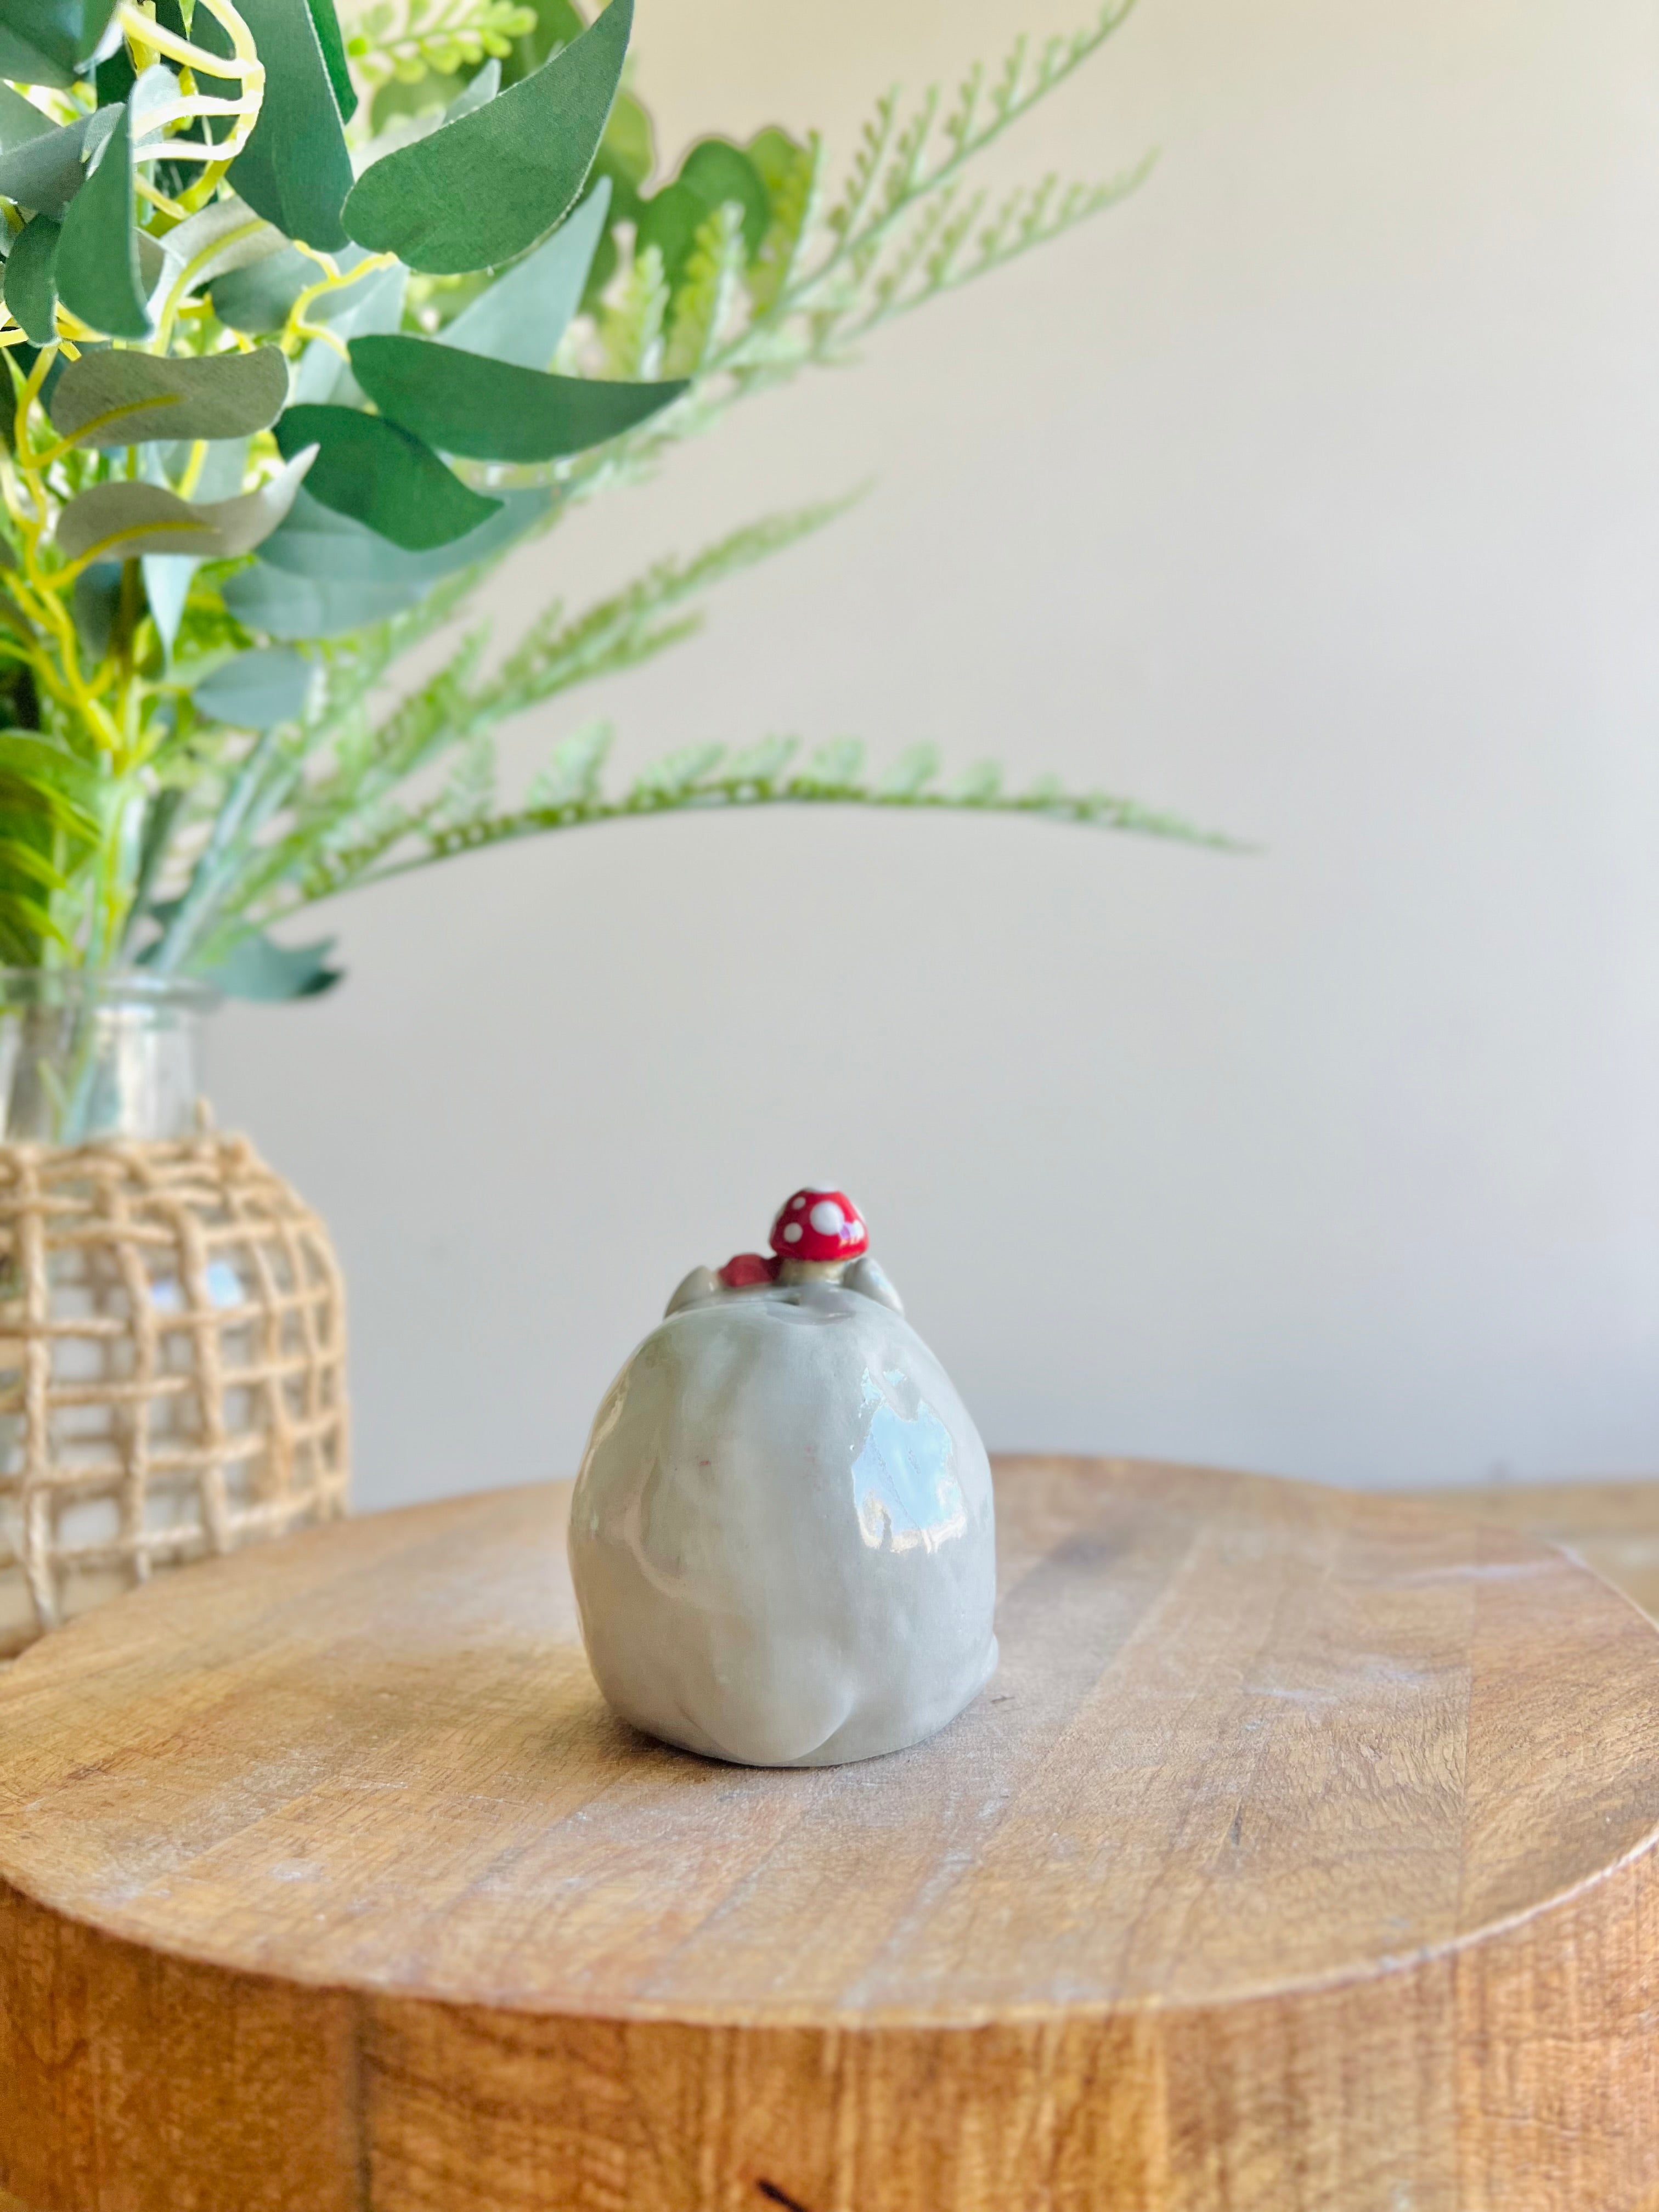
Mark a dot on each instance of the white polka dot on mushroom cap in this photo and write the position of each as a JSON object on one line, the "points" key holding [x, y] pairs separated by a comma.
{"points": [[827, 1218], [796, 1203], [792, 1232]]}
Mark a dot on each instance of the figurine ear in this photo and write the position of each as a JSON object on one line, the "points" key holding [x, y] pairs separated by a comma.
{"points": [[702, 1283], [869, 1277]]}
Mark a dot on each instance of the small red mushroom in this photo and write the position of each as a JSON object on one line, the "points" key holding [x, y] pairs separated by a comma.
{"points": [[744, 1269], [818, 1224]]}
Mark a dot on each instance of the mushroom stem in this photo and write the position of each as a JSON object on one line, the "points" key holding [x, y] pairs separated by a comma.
{"points": [[812, 1271]]}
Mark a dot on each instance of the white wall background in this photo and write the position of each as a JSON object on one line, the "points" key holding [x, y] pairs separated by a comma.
{"points": [[1314, 494]]}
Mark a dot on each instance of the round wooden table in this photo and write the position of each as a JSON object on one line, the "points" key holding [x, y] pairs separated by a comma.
{"points": [[1302, 1855]]}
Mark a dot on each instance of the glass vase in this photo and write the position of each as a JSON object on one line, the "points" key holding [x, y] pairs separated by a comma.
{"points": [[85, 1055], [171, 1318]]}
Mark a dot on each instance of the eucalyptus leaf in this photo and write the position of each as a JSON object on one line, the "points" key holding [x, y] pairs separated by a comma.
{"points": [[321, 378], [31, 281], [628, 152], [223, 466], [478, 191], [45, 41], [99, 275], [258, 690], [95, 603], [482, 87], [279, 604], [152, 264], [382, 475], [259, 968], [295, 170], [256, 300], [493, 410], [326, 25], [147, 94], [719, 171], [46, 172], [713, 174], [124, 520], [322, 574], [166, 586], [26, 64], [669, 222], [522, 316], [375, 304], [316, 541], [20, 120], [114, 77], [626, 156], [255, 297], [223, 236], [122, 399]]}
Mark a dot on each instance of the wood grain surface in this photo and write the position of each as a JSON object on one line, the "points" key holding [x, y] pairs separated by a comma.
{"points": [[1302, 1856], [1613, 1526]]}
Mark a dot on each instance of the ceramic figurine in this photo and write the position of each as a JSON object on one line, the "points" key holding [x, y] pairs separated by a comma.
{"points": [[781, 1537]]}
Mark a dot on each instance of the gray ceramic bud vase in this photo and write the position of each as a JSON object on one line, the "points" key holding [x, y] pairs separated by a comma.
{"points": [[782, 1538]]}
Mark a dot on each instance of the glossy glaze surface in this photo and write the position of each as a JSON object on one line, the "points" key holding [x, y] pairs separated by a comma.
{"points": [[782, 1538]]}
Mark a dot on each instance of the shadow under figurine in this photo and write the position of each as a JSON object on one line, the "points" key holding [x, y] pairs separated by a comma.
{"points": [[781, 1538]]}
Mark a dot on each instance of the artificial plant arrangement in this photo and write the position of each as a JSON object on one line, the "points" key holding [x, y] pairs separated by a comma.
{"points": [[310, 319]]}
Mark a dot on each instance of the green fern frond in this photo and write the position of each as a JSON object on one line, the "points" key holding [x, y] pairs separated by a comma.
{"points": [[405, 39], [912, 171], [794, 177], [335, 823], [904, 229], [845, 216], [353, 667], [344, 830], [469, 794], [832, 771], [675, 779], [630, 627], [910, 773], [631, 321], [205, 833], [571, 778], [980, 785], [904, 169], [336, 827], [759, 767], [703, 304], [957, 128], [701, 777], [345, 853]]}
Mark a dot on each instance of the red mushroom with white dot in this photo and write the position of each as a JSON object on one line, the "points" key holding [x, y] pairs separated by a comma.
{"points": [[821, 1228], [818, 1236]]}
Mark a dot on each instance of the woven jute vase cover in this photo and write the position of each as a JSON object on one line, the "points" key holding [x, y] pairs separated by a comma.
{"points": [[172, 1367]]}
